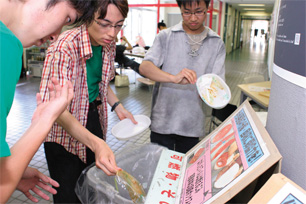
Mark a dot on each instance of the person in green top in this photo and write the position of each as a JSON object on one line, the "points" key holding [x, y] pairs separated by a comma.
{"points": [[24, 23]]}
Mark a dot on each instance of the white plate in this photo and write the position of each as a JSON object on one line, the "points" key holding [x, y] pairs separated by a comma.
{"points": [[213, 91], [126, 129]]}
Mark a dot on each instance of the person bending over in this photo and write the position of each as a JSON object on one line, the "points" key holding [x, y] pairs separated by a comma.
{"points": [[85, 56], [24, 23]]}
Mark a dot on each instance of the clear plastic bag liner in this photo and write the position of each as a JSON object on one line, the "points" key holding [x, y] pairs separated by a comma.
{"points": [[94, 186], [128, 182]]}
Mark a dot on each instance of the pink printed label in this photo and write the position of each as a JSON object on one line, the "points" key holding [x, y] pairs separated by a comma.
{"points": [[197, 181]]}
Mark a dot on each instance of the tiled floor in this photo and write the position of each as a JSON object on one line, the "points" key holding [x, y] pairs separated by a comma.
{"points": [[136, 98]]}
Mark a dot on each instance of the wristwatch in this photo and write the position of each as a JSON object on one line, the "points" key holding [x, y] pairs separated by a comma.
{"points": [[115, 106]]}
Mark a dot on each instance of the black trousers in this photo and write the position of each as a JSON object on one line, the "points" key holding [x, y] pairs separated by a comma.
{"points": [[174, 142], [131, 63], [127, 62], [65, 167]]}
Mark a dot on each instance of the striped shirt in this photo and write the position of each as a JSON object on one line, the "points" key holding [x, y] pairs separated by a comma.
{"points": [[66, 60]]}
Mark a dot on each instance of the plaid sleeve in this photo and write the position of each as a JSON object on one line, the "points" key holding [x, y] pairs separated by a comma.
{"points": [[56, 65], [112, 65]]}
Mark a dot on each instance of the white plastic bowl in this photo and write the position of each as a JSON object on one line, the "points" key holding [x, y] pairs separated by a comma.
{"points": [[126, 129], [213, 91]]}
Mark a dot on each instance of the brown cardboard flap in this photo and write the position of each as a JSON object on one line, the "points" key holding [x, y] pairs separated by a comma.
{"points": [[272, 187]]}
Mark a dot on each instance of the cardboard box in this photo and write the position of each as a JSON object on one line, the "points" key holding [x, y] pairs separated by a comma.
{"points": [[279, 189], [230, 165]]}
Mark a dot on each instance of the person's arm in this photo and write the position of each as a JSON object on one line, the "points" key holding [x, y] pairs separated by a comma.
{"points": [[60, 64], [149, 70], [12, 168], [129, 47], [121, 112], [31, 179], [105, 158], [155, 58]]}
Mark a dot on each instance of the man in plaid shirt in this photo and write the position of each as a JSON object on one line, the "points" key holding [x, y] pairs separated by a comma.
{"points": [[85, 56]]}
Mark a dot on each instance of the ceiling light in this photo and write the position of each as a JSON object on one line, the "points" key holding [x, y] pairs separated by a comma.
{"points": [[246, 5], [254, 9]]}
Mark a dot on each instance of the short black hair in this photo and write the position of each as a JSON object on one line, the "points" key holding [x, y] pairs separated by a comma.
{"points": [[189, 2], [86, 7], [122, 5], [161, 24]]}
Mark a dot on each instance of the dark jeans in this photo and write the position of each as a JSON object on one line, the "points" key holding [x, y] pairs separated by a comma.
{"points": [[174, 142], [65, 167]]}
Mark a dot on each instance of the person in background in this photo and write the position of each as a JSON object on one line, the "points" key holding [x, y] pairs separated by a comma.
{"points": [[85, 56], [161, 25], [125, 42], [139, 42], [178, 117], [122, 59], [24, 23]]}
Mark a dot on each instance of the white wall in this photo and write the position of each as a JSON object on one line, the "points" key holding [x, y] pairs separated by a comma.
{"points": [[230, 29], [222, 22], [141, 21], [171, 12], [247, 28]]}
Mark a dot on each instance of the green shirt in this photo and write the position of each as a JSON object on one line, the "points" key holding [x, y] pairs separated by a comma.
{"points": [[94, 72], [10, 68]]}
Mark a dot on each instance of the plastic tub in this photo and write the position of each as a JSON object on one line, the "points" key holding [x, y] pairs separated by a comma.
{"points": [[94, 186]]}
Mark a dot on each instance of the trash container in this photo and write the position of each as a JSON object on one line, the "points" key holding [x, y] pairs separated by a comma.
{"points": [[94, 186]]}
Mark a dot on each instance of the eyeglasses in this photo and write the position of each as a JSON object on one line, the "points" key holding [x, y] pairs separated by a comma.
{"points": [[109, 26], [197, 13]]}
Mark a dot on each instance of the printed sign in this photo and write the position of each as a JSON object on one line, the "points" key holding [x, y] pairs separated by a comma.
{"points": [[290, 37], [219, 166], [166, 178], [220, 162]]}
